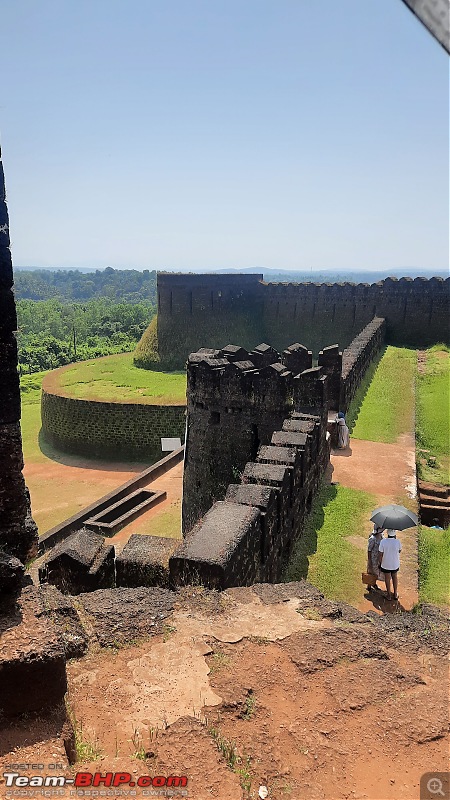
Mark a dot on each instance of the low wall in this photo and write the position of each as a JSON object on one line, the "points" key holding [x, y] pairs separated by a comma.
{"points": [[109, 430], [248, 537], [346, 370], [357, 358]]}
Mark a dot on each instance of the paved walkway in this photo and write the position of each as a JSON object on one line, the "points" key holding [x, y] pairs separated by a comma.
{"points": [[386, 471]]}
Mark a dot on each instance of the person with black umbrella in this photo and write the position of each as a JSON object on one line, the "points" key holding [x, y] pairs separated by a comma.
{"points": [[389, 557], [392, 517]]}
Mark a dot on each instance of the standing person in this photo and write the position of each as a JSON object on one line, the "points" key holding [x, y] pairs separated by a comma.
{"points": [[343, 432], [373, 563], [389, 558]]}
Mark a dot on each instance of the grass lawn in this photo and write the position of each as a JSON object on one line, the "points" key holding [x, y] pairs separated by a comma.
{"points": [[165, 523], [383, 407], [115, 378], [323, 555], [434, 566], [30, 389], [432, 427]]}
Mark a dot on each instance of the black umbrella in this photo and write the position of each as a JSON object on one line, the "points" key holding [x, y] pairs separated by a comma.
{"points": [[396, 517]]}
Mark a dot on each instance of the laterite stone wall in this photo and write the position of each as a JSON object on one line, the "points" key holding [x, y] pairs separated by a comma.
{"points": [[109, 430]]}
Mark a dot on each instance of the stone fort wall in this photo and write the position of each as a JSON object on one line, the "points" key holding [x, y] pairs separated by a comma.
{"points": [[194, 310], [18, 532], [248, 536], [109, 430], [257, 447]]}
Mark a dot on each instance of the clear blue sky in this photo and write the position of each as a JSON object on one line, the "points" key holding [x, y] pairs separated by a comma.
{"points": [[224, 133]]}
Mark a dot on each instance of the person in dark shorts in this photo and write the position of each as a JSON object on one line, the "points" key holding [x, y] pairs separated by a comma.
{"points": [[389, 555]]}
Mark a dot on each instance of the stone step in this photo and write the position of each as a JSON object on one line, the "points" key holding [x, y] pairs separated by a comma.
{"points": [[431, 500], [427, 488]]}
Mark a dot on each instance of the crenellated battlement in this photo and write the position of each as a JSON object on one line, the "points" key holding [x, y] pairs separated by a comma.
{"points": [[236, 400], [195, 309]]}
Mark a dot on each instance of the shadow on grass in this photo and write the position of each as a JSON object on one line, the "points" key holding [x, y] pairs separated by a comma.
{"points": [[106, 464], [306, 546]]}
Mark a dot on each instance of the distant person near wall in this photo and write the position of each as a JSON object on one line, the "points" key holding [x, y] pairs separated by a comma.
{"points": [[343, 432], [373, 564]]}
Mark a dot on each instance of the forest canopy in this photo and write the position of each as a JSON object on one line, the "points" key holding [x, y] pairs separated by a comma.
{"points": [[70, 316]]}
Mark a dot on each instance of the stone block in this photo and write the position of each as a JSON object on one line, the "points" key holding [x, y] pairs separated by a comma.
{"points": [[60, 609], [268, 474], [222, 550], [271, 454], [289, 439], [299, 425], [144, 561], [32, 661], [80, 563], [122, 615], [11, 573]]}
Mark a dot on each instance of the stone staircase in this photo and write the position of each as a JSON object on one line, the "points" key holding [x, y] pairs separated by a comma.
{"points": [[434, 503]]}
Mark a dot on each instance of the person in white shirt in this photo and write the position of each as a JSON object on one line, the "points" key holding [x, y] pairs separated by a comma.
{"points": [[389, 557]]}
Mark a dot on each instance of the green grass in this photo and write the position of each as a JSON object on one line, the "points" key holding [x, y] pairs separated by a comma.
{"points": [[432, 426], [147, 350], [30, 390], [384, 405], [323, 555], [434, 566], [115, 378], [30, 387], [166, 523]]}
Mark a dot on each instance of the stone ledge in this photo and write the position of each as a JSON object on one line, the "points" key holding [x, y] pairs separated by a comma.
{"points": [[32, 660]]}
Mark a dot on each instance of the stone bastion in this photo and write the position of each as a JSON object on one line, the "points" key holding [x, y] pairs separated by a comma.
{"points": [[100, 429]]}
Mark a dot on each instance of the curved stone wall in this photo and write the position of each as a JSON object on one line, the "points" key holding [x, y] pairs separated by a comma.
{"points": [[109, 430]]}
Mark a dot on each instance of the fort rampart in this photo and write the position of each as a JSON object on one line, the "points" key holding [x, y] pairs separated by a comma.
{"points": [[346, 370], [248, 536], [109, 430], [198, 309]]}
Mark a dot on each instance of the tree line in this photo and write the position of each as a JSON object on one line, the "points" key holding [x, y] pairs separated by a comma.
{"points": [[55, 332], [118, 285]]}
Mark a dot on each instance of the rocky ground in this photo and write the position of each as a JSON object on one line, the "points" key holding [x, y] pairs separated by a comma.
{"points": [[267, 686]]}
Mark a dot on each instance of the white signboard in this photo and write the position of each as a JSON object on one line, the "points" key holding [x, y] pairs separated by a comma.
{"points": [[167, 445]]}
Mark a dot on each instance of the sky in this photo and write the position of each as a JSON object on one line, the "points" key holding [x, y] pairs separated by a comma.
{"points": [[209, 134]]}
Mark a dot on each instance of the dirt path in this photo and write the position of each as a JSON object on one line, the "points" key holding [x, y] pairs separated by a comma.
{"points": [[388, 472], [257, 691], [58, 490]]}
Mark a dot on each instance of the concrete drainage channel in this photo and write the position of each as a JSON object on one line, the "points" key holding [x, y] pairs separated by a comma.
{"points": [[117, 515], [75, 557]]}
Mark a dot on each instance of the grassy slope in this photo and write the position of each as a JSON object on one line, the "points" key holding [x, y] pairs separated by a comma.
{"points": [[383, 409], [115, 378], [30, 387], [432, 432], [434, 565], [324, 555]]}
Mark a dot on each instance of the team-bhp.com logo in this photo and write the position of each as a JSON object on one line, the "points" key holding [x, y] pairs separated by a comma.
{"points": [[95, 779]]}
